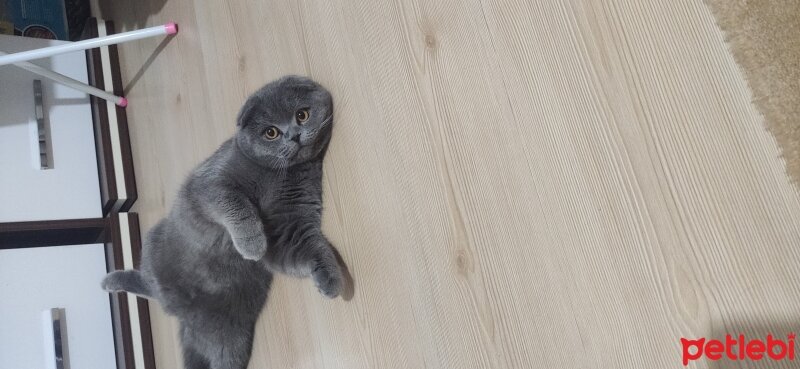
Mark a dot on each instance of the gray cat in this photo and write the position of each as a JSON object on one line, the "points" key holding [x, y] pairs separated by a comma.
{"points": [[253, 208]]}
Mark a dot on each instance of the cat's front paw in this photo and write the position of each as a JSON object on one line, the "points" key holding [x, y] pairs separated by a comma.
{"points": [[251, 247], [328, 279]]}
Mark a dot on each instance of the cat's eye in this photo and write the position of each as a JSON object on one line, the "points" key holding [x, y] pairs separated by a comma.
{"points": [[301, 116], [271, 133]]}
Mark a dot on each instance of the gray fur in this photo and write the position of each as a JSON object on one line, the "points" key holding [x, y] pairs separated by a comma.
{"points": [[253, 208]]}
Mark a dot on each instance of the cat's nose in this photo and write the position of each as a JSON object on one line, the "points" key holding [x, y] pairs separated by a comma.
{"points": [[296, 138]]}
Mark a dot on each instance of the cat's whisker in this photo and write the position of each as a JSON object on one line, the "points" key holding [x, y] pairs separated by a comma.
{"points": [[325, 122]]}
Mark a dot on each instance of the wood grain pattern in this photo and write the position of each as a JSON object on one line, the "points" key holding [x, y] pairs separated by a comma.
{"points": [[513, 184]]}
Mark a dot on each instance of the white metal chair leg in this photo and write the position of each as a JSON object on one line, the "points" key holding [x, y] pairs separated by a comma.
{"points": [[21, 59], [167, 29], [72, 83]]}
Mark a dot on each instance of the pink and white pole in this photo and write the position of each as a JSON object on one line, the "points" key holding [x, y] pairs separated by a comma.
{"points": [[21, 59], [69, 82], [167, 29]]}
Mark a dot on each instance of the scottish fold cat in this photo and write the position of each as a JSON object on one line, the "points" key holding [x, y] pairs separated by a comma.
{"points": [[250, 210]]}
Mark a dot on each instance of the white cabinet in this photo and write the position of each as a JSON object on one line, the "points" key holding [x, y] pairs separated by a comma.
{"points": [[76, 200], [70, 189], [34, 280]]}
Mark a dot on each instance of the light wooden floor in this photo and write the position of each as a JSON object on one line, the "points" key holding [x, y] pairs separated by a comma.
{"points": [[514, 184]]}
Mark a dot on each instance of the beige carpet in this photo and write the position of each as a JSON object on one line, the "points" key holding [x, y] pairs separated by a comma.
{"points": [[765, 39]]}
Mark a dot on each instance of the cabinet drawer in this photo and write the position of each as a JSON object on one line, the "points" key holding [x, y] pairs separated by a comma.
{"points": [[70, 189], [35, 280]]}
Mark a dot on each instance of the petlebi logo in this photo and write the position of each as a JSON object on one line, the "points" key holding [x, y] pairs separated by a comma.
{"points": [[739, 348]]}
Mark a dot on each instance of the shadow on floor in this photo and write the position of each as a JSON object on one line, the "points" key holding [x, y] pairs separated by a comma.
{"points": [[349, 288], [150, 59], [136, 12]]}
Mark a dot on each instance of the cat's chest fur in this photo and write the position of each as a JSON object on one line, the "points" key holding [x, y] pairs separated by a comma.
{"points": [[290, 197]]}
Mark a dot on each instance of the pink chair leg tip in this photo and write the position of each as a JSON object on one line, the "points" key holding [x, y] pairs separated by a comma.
{"points": [[123, 102], [172, 28]]}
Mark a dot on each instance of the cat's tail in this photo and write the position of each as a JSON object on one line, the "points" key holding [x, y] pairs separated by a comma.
{"points": [[130, 280]]}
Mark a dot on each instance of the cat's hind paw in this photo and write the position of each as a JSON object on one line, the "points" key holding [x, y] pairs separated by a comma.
{"points": [[329, 280]]}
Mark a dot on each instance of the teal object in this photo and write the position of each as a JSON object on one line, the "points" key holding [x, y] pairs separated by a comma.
{"points": [[38, 18]]}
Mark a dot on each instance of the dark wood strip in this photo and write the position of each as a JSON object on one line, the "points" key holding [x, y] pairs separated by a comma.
{"points": [[122, 124], [144, 307], [119, 301], [147, 334], [52, 233], [102, 135], [116, 316], [136, 239]]}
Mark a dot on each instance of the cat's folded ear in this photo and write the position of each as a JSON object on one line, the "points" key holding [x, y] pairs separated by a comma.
{"points": [[246, 114]]}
